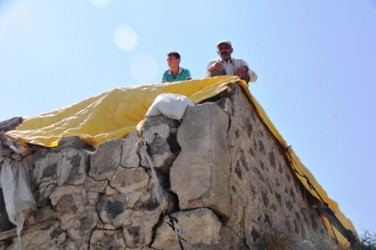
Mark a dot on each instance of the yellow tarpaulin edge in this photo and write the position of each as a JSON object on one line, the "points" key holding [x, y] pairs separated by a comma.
{"points": [[306, 177], [115, 113]]}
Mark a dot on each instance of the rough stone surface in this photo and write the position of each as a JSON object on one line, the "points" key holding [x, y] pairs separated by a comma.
{"points": [[10, 124], [199, 176], [129, 156], [160, 133], [105, 160], [231, 185], [200, 227], [133, 183], [73, 142], [107, 239]]}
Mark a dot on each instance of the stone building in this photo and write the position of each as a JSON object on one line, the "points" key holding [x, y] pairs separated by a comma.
{"points": [[217, 179]]}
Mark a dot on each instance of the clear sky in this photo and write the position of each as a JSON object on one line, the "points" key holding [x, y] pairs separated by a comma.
{"points": [[315, 60]]}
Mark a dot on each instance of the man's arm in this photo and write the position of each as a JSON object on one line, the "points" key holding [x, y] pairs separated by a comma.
{"points": [[242, 69], [214, 65], [252, 75]]}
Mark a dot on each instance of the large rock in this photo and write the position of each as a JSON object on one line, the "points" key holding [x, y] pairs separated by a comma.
{"points": [[129, 156], [107, 239], [199, 175], [131, 182], [106, 159], [57, 168], [71, 169], [139, 228], [76, 215], [160, 133], [196, 229], [10, 124], [113, 210]]}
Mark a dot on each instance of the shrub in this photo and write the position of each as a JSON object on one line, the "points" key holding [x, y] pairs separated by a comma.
{"points": [[367, 242]]}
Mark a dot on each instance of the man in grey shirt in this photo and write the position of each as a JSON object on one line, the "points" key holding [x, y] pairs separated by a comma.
{"points": [[227, 65]]}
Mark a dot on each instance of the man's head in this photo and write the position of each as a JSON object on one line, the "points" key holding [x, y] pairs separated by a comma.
{"points": [[173, 59], [224, 49]]}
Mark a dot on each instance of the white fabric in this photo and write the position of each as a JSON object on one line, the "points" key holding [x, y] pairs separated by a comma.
{"points": [[18, 198], [231, 66], [170, 105]]}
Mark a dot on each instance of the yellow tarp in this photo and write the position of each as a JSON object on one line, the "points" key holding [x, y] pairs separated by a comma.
{"points": [[112, 114], [116, 113]]}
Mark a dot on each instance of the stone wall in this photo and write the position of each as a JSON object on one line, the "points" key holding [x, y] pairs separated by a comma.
{"points": [[222, 180]]}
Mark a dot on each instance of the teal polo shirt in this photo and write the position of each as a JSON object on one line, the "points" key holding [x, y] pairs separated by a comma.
{"points": [[183, 75]]}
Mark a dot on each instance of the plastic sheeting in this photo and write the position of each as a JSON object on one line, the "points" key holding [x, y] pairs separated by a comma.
{"points": [[18, 198], [112, 114], [116, 113]]}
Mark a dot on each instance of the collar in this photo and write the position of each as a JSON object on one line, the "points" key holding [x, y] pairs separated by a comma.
{"points": [[231, 60], [180, 70]]}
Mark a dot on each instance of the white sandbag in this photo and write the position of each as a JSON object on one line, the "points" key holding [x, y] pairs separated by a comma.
{"points": [[18, 198], [170, 105]]}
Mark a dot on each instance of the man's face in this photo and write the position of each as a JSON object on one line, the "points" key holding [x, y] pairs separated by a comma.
{"points": [[224, 51], [172, 61]]}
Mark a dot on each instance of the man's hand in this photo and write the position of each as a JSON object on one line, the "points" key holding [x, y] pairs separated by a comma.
{"points": [[241, 71], [216, 66]]}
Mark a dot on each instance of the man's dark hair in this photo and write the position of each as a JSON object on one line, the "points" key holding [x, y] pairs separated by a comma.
{"points": [[174, 54]]}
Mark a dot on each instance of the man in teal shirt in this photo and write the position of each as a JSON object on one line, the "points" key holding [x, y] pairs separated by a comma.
{"points": [[175, 73]]}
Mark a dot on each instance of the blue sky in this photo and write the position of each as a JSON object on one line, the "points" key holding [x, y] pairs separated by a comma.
{"points": [[315, 60]]}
